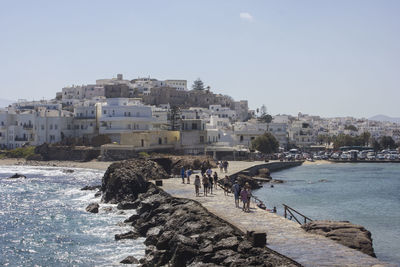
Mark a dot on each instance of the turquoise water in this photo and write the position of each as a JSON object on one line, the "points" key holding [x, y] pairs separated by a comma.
{"points": [[366, 194], [44, 223]]}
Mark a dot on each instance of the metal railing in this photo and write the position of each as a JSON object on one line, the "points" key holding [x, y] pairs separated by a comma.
{"points": [[289, 210]]}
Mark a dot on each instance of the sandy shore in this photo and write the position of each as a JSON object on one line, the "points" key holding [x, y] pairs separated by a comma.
{"points": [[94, 164]]}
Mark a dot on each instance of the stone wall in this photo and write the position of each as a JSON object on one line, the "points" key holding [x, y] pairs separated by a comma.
{"points": [[52, 152]]}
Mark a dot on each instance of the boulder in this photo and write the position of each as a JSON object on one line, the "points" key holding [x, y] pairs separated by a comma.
{"points": [[345, 233], [93, 208], [128, 235], [243, 179], [67, 171], [125, 205], [173, 164], [123, 181], [17, 175], [91, 187], [264, 173], [130, 260]]}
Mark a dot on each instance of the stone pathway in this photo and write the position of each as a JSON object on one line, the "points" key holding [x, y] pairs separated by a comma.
{"points": [[283, 236]]}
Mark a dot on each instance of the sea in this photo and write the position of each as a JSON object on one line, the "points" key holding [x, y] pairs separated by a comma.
{"points": [[362, 193], [43, 221]]}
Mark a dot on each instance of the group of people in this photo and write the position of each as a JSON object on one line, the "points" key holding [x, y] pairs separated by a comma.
{"points": [[243, 194], [223, 166], [186, 174], [208, 180]]}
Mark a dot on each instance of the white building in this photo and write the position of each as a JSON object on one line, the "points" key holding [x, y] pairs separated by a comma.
{"points": [[124, 115], [178, 84]]}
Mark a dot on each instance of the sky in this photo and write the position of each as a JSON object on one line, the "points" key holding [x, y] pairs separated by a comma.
{"points": [[327, 58]]}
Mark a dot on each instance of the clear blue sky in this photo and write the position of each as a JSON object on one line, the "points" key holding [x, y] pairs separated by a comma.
{"points": [[332, 58]]}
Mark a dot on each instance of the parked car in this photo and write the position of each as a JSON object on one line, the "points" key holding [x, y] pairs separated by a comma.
{"points": [[371, 155], [380, 156], [335, 156], [345, 156]]}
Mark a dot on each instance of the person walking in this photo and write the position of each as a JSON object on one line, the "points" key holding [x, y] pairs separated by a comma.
{"points": [[183, 175], [226, 185], [197, 185], [188, 173], [225, 166], [236, 193], [221, 166], [243, 197], [203, 168], [209, 172], [210, 183], [248, 189], [215, 180], [205, 184]]}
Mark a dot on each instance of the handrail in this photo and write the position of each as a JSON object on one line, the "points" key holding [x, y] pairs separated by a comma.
{"points": [[289, 209]]}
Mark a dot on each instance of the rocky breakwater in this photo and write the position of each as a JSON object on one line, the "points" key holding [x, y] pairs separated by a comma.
{"points": [[348, 234], [178, 232]]}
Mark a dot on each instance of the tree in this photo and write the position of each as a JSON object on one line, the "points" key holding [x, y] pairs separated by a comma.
{"points": [[265, 143], [375, 144], [174, 118], [365, 136], [265, 118], [387, 142], [198, 85], [351, 128]]}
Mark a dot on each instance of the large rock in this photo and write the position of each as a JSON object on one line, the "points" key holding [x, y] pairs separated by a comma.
{"points": [[173, 164], [345, 233], [17, 175], [242, 179], [130, 260], [124, 181], [93, 208]]}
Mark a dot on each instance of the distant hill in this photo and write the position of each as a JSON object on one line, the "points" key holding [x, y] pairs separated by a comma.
{"points": [[384, 118], [5, 102]]}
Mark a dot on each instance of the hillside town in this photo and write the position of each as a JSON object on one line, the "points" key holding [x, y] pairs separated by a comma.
{"points": [[146, 114]]}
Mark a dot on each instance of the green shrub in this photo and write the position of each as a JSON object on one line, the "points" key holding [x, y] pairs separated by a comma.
{"points": [[144, 154], [21, 152]]}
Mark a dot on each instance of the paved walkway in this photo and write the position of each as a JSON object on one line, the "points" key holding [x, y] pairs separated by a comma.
{"points": [[283, 236]]}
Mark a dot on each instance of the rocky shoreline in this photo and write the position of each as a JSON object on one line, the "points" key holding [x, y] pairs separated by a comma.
{"points": [[178, 232]]}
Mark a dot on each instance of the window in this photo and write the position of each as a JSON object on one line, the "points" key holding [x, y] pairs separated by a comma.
{"points": [[194, 126], [165, 140], [51, 126], [55, 126], [69, 127], [201, 139], [42, 127], [241, 138], [105, 112], [142, 141], [159, 141]]}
